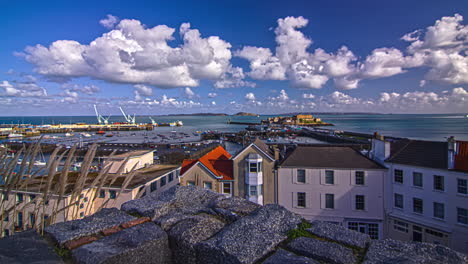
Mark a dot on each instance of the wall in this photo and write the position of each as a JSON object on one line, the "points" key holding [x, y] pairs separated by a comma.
{"points": [[240, 169], [457, 234], [199, 175]]}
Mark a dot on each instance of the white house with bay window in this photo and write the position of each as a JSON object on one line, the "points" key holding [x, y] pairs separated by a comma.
{"points": [[427, 201], [335, 184]]}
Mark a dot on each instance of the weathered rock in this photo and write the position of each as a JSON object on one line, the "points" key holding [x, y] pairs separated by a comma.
{"points": [[236, 205], [227, 215], [178, 198], [27, 247], [328, 252], [282, 257], [249, 238], [145, 243], [340, 234], [104, 219], [185, 234], [392, 251]]}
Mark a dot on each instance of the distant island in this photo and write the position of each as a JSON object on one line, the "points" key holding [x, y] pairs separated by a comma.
{"points": [[198, 114], [245, 114]]}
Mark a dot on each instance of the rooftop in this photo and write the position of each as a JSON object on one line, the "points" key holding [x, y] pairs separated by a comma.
{"points": [[131, 154], [217, 161], [323, 156], [38, 184], [430, 154]]}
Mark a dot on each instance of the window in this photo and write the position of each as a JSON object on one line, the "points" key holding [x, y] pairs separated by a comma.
{"points": [[438, 183], [171, 176], [208, 185], [81, 206], [371, 229], [462, 186], [462, 216], [46, 202], [154, 186], [329, 201], [19, 197], [190, 183], [177, 173], [6, 218], [398, 176], [227, 188], [82, 214], [301, 199], [360, 202], [112, 194], [32, 197], [5, 196], [85, 199], [434, 233], [398, 200], [359, 178], [20, 220], [439, 210], [253, 190], [260, 166], [163, 181], [301, 176], [253, 167], [6, 233], [417, 179], [418, 205], [102, 194], [400, 226], [32, 219], [329, 177]]}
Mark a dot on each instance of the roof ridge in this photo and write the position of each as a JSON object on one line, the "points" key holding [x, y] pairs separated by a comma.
{"points": [[400, 150]]}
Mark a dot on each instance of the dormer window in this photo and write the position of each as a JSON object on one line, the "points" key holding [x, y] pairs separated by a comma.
{"points": [[253, 167]]}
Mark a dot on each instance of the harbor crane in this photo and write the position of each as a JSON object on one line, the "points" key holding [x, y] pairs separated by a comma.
{"points": [[101, 120], [128, 118], [152, 121]]}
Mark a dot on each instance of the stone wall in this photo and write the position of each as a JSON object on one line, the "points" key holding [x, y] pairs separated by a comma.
{"points": [[193, 225]]}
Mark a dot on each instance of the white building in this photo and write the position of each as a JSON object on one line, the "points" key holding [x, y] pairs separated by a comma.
{"points": [[136, 160], [427, 201], [334, 184]]}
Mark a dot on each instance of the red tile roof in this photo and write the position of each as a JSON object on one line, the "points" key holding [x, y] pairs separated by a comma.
{"points": [[461, 158], [217, 161]]}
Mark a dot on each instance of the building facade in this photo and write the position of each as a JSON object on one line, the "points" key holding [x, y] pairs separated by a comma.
{"points": [[427, 201], [334, 184]]}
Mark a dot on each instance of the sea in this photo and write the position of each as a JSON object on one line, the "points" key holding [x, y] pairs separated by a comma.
{"points": [[435, 127]]}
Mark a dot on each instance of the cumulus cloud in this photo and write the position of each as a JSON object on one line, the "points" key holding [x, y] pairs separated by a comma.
{"points": [[233, 77], [133, 53], [308, 96], [250, 96], [188, 93], [84, 89], [109, 22], [441, 48], [21, 89], [212, 95]]}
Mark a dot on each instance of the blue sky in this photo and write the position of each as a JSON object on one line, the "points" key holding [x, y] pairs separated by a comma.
{"points": [[160, 57]]}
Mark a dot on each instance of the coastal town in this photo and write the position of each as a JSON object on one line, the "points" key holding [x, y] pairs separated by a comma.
{"points": [[385, 187]]}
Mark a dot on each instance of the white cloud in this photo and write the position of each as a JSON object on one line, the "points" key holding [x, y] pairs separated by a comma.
{"points": [[21, 89], [188, 93], [212, 95], [233, 77], [109, 22], [143, 89], [250, 96], [308, 96], [132, 53]]}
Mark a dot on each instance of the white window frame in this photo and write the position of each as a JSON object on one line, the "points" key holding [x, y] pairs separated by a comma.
{"points": [[230, 188]]}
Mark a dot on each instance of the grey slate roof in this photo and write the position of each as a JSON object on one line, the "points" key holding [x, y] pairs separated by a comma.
{"points": [[328, 157], [430, 154]]}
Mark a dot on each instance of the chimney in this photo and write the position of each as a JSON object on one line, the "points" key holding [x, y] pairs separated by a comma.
{"points": [[451, 151], [276, 152], [380, 148]]}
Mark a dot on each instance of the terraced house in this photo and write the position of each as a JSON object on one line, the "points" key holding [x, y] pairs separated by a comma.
{"points": [[334, 184], [249, 174], [427, 186]]}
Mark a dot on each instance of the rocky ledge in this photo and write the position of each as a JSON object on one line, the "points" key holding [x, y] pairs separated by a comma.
{"points": [[193, 225]]}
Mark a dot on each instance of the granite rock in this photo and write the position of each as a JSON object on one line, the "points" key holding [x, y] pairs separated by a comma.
{"points": [[328, 252], [104, 219], [27, 247], [145, 243], [250, 238], [392, 251], [183, 199], [282, 257], [235, 204], [340, 234], [185, 234]]}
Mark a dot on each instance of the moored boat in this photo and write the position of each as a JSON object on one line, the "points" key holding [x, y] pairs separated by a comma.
{"points": [[14, 135]]}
